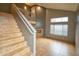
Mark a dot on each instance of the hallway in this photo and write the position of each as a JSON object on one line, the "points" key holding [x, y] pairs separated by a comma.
{"points": [[49, 47], [12, 42]]}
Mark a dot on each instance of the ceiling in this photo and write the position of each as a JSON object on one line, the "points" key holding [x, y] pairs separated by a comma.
{"points": [[59, 6]]}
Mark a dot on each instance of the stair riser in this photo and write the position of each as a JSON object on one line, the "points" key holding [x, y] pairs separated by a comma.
{"points": [[10, 35], [9, 31], [7, 50], [10, 41], [23, 52]]}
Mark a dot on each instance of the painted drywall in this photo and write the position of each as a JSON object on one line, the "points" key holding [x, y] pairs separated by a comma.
{"points": [[51, 13], [77, 33], [5, 7], [40, 18], [60, 6], [22, 7]]}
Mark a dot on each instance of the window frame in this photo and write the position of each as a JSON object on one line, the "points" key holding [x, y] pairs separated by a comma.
{"points": [[60, 23]]}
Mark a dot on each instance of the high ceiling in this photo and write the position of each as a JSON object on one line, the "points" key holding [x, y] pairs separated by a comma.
{"points": [[59, 6]]}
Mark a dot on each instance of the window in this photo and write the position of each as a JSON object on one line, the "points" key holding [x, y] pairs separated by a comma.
{"points": [[59, 26], [62, 19]]}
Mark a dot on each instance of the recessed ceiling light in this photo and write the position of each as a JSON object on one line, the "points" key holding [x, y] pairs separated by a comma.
{"points": [[25, 7]]}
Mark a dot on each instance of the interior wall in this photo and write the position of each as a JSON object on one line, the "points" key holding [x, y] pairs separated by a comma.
{"points": [[22, 6], [50, 13], [40, 18], [77, 32], [5, 7]]}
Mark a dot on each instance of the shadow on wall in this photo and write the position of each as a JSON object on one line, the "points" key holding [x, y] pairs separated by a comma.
{"points": [[5, 7]]}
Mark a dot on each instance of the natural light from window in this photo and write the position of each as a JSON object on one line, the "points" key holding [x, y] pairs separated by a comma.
{"points": [[62, 19], [59, 26]]}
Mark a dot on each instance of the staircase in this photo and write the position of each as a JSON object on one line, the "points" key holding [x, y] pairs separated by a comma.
{"points": [[12, 42]]}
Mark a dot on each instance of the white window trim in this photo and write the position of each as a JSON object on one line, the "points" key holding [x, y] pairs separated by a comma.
{"points": [[55, 23]]}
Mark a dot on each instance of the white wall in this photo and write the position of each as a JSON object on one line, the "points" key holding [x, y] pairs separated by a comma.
{"points": [[77, 35], [51, 13]]}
